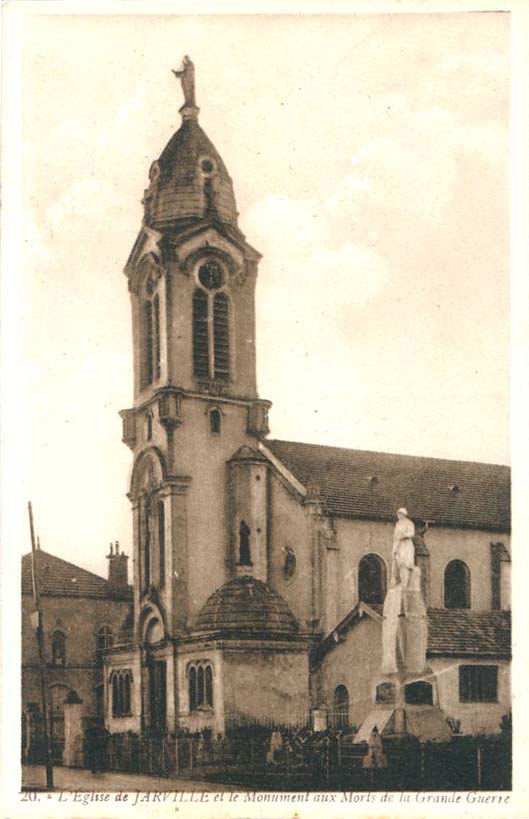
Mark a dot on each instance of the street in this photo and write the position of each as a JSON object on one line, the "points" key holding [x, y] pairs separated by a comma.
{"points": [[80, 779]]}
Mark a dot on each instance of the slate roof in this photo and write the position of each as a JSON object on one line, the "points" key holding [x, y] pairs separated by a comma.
{"points": [[247, 606], [59, 578], [179, 191], [373, 485], [451, 632]]}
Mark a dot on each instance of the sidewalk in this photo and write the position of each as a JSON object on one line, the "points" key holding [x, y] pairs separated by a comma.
{"points": [[80, 779]]}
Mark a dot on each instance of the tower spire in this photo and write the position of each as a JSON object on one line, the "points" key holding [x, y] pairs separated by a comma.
{"points": [[186, 75]]}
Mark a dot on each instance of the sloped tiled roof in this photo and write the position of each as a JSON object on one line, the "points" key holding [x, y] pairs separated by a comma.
{"points": [[461, 632], [451, 632], [373, 485], [245, 606], [59, 578]]}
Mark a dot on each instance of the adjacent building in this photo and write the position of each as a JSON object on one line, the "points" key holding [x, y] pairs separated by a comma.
{"points": [[83, 615]]}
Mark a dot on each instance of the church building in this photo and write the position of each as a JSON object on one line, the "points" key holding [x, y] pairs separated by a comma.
{"points": [[261, 566]]}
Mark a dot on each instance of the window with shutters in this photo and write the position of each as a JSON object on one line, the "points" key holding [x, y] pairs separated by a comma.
{"points": [[478, 683], [211, 324], [221, 359], [200, 334]]}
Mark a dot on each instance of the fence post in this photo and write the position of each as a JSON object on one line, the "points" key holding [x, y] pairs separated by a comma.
{"points": [[176, 757], [479, 763], [191, 754]]}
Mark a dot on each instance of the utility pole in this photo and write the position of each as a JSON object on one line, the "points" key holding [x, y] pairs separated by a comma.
{"points": [[39, 627]]}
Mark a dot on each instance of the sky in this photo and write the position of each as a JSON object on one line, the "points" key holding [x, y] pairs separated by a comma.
{"points": [[369, 156]]}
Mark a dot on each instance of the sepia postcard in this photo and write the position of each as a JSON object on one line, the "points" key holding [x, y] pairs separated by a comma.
{"points": [[264, 457]]}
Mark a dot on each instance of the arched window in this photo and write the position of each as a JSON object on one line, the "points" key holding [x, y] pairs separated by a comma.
{"points": [[372, 579], [115, 696], [147, 508], [419, 693], [156, 337], [192, 688], [200, 685], [215, 421], [161, 541], [126, 694], [245, 558], [151, 347], [457, 585], [148, 426], [104, 638], [209, 685], [341, 707], [58, 648], [211, 337], [121, 693]]}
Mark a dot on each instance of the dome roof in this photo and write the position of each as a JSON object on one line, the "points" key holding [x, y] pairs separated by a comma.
{"points": [[246, 605], [189, 180]]}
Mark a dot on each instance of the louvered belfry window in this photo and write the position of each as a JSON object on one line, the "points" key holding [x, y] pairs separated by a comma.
{"points": [[151, 343], [200, 334], [220, 337], [211, 331]]}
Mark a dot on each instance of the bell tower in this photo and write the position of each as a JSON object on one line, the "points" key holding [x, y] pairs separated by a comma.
{"points": [[191, 277]]}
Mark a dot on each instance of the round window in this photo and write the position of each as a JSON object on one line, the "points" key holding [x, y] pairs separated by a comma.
{"points": [[207, 166], [211, 275]]}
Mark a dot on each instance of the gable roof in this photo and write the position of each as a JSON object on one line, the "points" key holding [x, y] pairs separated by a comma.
{"points": [[373, 485], [59, 578], [451, 632]]}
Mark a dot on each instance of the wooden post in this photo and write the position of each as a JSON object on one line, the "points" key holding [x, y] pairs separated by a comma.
{"points": [[39, 627]]}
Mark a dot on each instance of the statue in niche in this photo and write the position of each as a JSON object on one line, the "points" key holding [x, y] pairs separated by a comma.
{"points": [[187, 77], [245, 558], [403, 550]]}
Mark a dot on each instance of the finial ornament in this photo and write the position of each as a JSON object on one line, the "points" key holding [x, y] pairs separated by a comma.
{"points": [[186, 75]]}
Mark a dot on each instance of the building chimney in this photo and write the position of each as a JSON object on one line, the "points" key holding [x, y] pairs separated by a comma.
{"points": [[117, 569]]}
